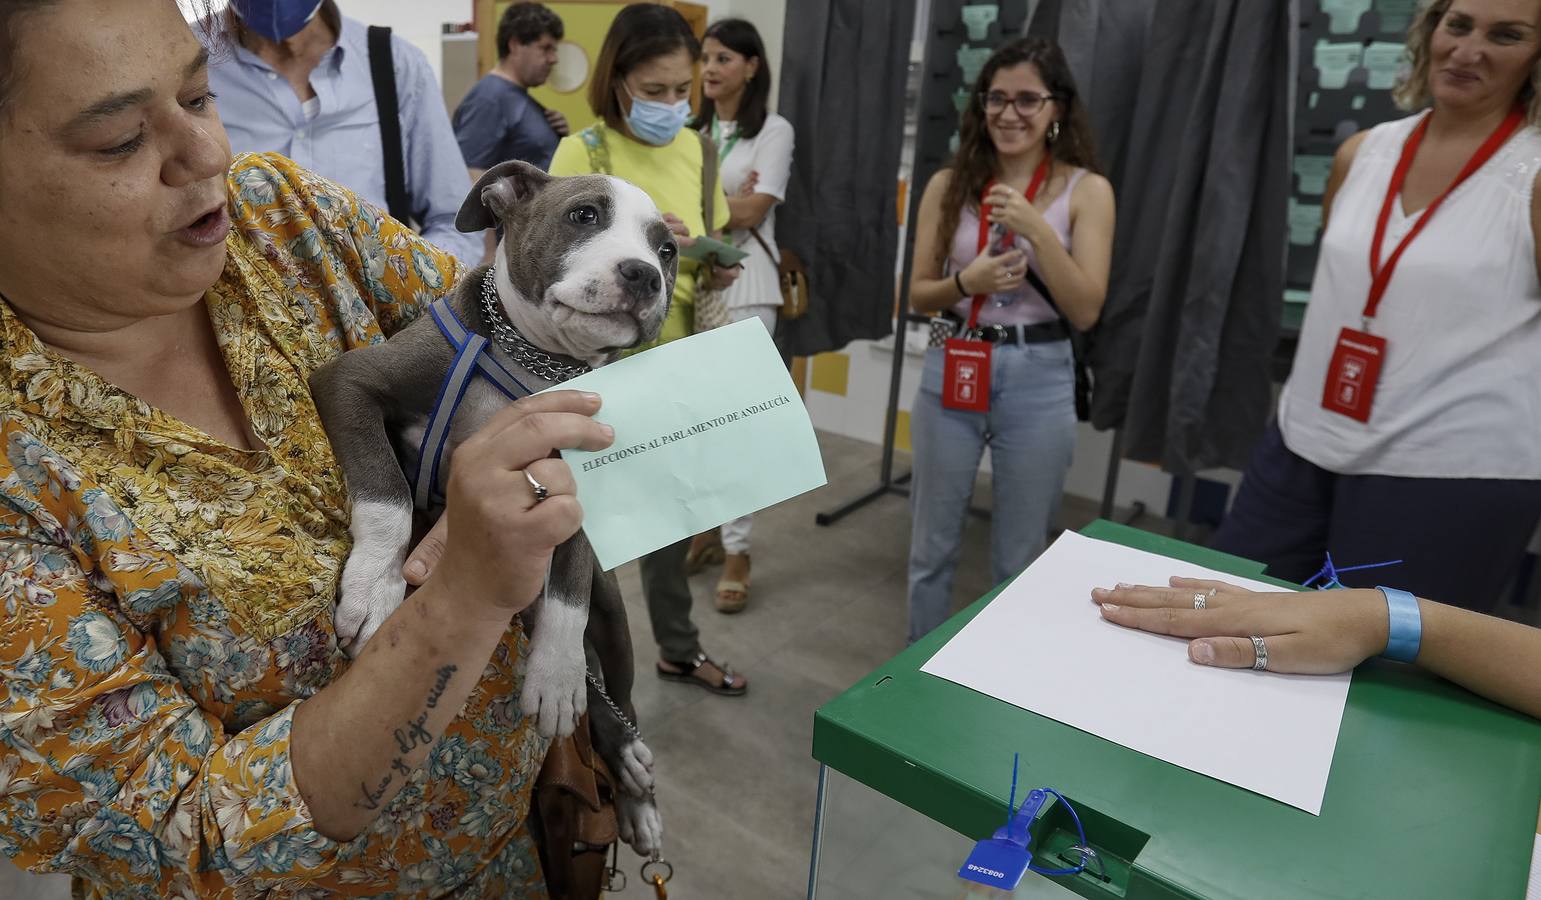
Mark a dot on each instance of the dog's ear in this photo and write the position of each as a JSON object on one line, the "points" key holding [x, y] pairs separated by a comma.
{"points": [[497, 192]]}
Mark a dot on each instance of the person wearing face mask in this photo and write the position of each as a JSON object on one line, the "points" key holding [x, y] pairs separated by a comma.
{"points": [[1408, 429], [1022, 195], [640, 90], [296, 80], [754, 146]]}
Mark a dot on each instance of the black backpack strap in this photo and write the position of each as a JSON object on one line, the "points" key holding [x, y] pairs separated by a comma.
{"points": [[382, 67]]}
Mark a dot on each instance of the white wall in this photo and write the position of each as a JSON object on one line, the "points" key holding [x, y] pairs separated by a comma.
{"points": [[420, 22], [769, 16]]}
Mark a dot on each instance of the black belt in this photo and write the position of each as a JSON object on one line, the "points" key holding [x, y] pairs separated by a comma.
{"points": [[1042, 333]]}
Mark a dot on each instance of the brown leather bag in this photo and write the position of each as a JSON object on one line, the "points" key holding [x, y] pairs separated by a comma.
{"points": [[573, 812], [793, 276]]}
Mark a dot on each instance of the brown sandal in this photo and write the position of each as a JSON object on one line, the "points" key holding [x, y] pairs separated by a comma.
{"points": [[731, 684], [703, 555]]}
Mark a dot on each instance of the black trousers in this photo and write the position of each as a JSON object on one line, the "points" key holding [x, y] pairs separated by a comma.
{"points": [[1461, 539]]}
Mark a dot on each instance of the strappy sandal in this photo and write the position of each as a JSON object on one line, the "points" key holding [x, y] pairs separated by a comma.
{"points": [[688, 674]]}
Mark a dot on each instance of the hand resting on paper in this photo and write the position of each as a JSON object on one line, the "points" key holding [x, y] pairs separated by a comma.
{"points": [[1326, 632]]}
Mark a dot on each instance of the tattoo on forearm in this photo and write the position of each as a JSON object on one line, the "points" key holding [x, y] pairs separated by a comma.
{"points": [[372, 798], [413, 734]]}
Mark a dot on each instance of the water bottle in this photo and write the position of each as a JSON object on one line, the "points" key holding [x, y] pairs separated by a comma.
{"points": [[996, 246]]}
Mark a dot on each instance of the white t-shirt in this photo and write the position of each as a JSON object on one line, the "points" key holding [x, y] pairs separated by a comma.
{"points": [[768, 153], [1459, 394]]}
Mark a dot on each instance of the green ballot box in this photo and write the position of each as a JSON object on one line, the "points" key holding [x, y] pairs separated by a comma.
{"points": [[1433, 791]]}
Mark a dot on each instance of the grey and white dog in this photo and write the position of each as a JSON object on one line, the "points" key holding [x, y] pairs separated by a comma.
{"points": [[585, 269]]}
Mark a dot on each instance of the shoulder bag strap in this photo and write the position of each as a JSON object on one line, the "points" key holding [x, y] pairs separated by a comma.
{"points": [[708, 180], [382, 68], [1036, 281], [593, 138], [775, 257]]}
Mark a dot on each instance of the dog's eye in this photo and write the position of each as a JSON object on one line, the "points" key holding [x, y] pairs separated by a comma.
{"points": [[668, 251], [584, 215]]}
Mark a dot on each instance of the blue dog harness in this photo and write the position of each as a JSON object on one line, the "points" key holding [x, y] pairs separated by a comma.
{"points": [[471, 357]]}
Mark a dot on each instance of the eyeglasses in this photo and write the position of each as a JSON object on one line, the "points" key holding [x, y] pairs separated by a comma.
{"points": [[1027, 103]]}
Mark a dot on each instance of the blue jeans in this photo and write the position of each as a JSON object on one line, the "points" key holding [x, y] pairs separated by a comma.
{"points": [[1030, 430]]}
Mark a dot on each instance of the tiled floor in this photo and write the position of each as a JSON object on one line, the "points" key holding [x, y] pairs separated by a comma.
{"points": [[736, 781]]}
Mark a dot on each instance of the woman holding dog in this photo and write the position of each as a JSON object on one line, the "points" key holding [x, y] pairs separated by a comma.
{"points": [[754, 148], [179, 720], [1022, 196], [640, 90]]}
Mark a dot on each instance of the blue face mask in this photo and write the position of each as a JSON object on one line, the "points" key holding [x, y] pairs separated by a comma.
{"points": [[657, 122], [276, 20]]}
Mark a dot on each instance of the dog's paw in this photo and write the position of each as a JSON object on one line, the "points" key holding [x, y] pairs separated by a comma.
{"points": [[368, 598], [640, 825], [554, 690], [637, 769]]}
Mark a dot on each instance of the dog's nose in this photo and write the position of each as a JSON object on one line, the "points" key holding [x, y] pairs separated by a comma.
{"points": [[640, 279]]}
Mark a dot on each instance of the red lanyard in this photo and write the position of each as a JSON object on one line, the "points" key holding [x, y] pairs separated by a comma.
{"points": [[1039, 177], [1380, 276]]}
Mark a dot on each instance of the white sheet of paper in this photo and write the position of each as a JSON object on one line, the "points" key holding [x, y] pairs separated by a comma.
{"points": [[1043, 645]]}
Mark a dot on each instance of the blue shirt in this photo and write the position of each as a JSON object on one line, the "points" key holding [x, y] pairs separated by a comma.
{"points": [[262, 114], [498, 121]]}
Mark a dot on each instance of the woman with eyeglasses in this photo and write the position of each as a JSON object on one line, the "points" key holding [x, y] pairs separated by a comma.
{"points": [[1013, 246]]}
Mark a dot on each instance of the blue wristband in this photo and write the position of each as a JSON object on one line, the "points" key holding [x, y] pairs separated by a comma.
{"points": [[1405, 631]]}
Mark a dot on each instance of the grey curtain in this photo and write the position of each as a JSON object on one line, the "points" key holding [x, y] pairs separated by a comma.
{"points": [[842, 88], [1200, 160], [1104, 40]]}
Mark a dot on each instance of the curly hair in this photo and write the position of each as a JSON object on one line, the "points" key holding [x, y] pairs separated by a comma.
{"points": [[975, 163], [526, 23], [1412, 91]]}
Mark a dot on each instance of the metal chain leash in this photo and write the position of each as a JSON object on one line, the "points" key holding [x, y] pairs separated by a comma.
{"points": [[517, 346], [631, 727]]}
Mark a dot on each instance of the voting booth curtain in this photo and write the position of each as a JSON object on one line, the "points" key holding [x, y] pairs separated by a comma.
{"points": [[1192, 104], [842, 88]]}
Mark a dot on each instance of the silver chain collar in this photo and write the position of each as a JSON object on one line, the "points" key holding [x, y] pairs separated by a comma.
{"points": [[508, 339]]}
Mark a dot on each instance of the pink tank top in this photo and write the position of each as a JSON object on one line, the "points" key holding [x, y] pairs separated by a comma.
{"points": [[1029, 307]]}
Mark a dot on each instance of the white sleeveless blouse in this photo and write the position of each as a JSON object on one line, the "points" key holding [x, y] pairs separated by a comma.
{"points": [[1460, 390]]}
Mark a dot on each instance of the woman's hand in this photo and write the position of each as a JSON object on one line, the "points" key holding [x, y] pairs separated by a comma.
{"points": [[679, 229], [995, 274], [499, 538], [1308, 633], [721, 277], [1010, 208], [750, 183]]}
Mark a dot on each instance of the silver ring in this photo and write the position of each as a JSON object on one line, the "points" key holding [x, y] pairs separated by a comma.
{"points": [[541, 492], [1199, 600], [1261, 649]]}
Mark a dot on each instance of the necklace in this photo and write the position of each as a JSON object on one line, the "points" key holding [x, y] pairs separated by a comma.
{"points": [[508, 339]]}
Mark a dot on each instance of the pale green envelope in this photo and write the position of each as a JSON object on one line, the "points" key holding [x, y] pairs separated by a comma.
{"points": [[707, 429]]}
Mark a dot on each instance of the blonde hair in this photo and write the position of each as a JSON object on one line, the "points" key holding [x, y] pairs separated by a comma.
{"points": [[1412, 89]]}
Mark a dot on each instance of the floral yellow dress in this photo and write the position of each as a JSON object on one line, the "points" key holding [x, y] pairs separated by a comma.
{"points": [[167, 599]]}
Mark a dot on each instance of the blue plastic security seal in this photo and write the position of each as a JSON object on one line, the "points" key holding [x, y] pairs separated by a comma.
{"points": [[996, 863], [1406, 625], [1000, 861]]}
